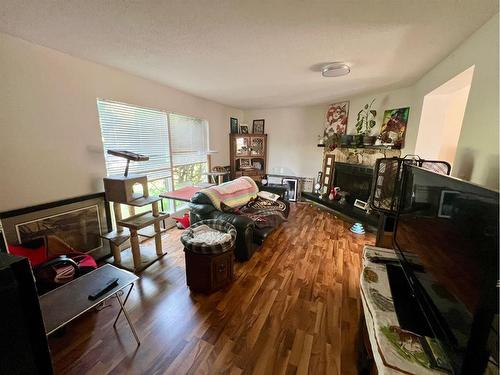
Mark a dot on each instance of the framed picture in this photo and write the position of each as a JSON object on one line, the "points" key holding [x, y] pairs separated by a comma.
{"points": [[77, 222], [361, 204], [336, 119], [244, 129], [306, 184], [394, 125], [234, 125], [257, 165], [258, 126], [245, 163], [291, 185], [67, 226]]}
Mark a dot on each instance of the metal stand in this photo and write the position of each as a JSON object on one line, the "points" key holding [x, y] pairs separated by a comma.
{"points": [[122, 308]]}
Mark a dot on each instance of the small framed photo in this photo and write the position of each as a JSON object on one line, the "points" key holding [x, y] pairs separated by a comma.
{"points": [[292, 185], [234, 125], [361, 204], [244, 129], [245, 163], [257, 165], [258, 126]]}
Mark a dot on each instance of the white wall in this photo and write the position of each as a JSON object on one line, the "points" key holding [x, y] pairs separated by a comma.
{"points": [[292, 139], [440, 124], [294, 130], [431, 130], [386, 100], [50, 141], [477, 152]]}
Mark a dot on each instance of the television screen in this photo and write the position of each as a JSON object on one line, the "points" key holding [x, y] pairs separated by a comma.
{"points": [[447, 237]]}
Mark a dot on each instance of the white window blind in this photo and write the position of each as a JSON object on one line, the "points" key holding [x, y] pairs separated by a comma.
{"points": [[176, 144], [188, 137], [136, 129]]}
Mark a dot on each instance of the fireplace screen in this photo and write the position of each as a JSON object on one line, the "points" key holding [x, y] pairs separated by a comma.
{"points": [[355, 180], [387, 180]]}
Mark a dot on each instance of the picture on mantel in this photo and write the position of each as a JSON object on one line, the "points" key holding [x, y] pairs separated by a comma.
{"points": [[394, 125], [336, 119]]}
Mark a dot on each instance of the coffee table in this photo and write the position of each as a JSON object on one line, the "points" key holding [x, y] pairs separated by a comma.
{"points": [[64, 304]]}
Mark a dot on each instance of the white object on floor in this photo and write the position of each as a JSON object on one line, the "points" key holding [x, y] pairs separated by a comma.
{"points": [[208, 236]]}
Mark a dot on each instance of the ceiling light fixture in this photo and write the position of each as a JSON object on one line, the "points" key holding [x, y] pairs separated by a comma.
{"points": [[336, 69]]}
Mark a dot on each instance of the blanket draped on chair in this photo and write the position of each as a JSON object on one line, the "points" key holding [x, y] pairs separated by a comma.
{"points": [[233, 194], [264, 213]]}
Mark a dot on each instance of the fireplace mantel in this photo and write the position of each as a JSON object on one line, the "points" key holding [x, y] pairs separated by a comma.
{"points": [[363, 156]]}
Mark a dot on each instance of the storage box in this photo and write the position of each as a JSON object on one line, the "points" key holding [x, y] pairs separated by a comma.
{"points": [[206, 273]]}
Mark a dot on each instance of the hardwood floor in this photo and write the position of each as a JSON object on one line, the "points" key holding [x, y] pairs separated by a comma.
{"points": [[293, 308]]}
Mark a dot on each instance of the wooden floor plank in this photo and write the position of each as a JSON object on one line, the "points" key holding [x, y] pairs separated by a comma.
{"points": [[292, 309]]}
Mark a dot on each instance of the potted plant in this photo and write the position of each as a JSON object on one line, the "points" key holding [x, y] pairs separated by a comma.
{"points": [[345, 139], [332, 141], [364, 124]]}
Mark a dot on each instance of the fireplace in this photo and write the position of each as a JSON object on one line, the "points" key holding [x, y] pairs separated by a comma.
{"points": [[355, 179]]}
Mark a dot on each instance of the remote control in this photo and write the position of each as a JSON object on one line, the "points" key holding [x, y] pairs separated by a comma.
{"points": [[110, 284]]}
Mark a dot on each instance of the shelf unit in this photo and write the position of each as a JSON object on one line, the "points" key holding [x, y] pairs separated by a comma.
{"points": [[248, 153]]}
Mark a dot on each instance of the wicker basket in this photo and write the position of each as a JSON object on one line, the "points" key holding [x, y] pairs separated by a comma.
{"points": [[221, 226]]}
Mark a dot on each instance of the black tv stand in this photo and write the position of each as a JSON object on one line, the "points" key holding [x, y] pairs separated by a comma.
{"points": [[408, 311]]}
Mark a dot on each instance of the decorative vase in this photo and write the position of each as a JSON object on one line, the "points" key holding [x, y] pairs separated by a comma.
{"points": [[345, 139], [357, 140], [369, 140]]}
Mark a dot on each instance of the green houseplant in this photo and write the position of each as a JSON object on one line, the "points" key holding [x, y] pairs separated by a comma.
{"points": [[365, 122]]}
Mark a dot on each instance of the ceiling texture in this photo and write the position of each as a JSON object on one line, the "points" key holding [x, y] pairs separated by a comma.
{"points": [[253, 53]]}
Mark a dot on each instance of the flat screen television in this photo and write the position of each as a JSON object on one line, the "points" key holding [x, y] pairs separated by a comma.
{"points": [[446, 237]]}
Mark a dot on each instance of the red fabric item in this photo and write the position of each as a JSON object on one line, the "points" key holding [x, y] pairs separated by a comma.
{"points": [[36, 255], [184, 221], [83, 260]]}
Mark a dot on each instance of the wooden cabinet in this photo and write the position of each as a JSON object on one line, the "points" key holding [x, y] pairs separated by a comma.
{"points": [[248, 153], [222, 270], [206, 273]]}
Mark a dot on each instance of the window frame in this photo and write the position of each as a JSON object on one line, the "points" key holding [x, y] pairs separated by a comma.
{"points": [[169, 180]]}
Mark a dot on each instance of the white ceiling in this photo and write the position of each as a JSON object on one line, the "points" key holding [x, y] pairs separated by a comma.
{"points": [[254, 54]]}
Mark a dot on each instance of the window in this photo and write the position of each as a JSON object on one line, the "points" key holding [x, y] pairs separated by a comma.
{"points": [[176, 145]]}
